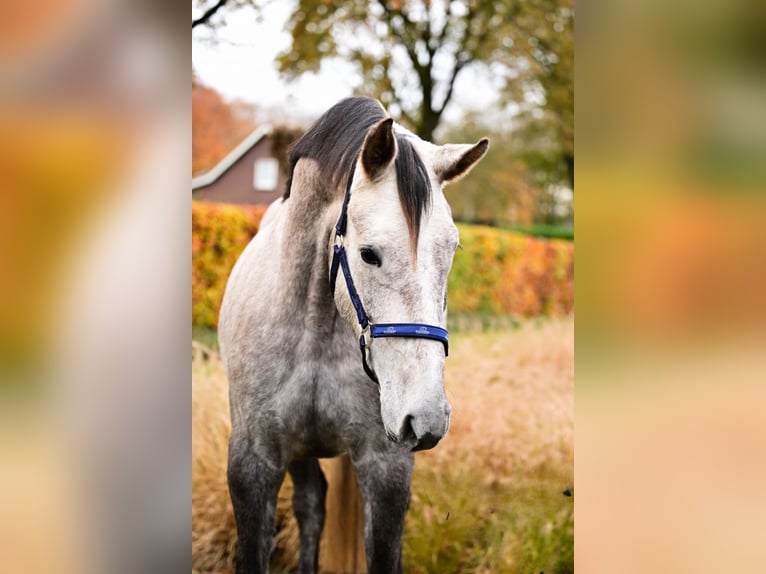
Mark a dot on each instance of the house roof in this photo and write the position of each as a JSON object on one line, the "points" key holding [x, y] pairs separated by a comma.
{"points": [[231, 158]]}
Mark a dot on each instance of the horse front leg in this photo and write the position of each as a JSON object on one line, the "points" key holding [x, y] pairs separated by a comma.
{"points": [[309, 490], [254, 483], [384, 479]]}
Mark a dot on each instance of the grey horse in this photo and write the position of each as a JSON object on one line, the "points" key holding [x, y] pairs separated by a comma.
{"points": [[290, 340]]}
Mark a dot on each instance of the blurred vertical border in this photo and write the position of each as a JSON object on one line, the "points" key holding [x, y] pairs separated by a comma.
{"points": [[94, 292], [671, 286]]}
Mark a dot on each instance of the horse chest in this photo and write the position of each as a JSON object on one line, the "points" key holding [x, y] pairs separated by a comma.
{"points": [[307, 424], [320, 413]]}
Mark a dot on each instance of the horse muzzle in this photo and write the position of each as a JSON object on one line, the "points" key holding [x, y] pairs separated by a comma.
{"points": [[423, 429]]}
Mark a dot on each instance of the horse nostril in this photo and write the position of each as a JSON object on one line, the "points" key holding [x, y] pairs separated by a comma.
{"points": [[426, 442], [416, 435], [407, 433]]}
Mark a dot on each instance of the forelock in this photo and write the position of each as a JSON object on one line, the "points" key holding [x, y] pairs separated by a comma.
{"points": [[414, 187]]}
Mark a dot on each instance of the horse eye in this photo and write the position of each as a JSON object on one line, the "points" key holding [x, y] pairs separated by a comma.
{"points": [[369, 256]]}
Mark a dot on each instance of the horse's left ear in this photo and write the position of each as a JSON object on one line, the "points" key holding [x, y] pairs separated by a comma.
{"points": [[453, 161], [379, 148]]}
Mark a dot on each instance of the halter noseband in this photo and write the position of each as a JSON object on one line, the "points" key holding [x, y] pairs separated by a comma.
{"points": [[372, 331]]}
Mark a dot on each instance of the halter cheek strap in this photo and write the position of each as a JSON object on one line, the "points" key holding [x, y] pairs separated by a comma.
{"points": [[372, 331]]}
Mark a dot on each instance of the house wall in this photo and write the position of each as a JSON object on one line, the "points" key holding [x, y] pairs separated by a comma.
{"points": [[236, 183]]}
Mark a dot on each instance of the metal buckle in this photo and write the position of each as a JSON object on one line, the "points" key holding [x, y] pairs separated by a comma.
{"points": [[338, 240], [367, 336]]}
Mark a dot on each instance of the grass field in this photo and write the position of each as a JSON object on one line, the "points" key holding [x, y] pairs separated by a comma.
{"points": [[488, 499]]}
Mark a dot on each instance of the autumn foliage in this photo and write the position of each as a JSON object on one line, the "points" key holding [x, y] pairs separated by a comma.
{"points": [[219, 234], [496, 273], [505, 273], [217, 127]]}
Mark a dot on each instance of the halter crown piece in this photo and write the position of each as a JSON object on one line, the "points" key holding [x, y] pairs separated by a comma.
{"points": [[372, 331]]}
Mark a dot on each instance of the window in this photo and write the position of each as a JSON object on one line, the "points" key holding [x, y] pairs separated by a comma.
{"points": [[265, 174]]}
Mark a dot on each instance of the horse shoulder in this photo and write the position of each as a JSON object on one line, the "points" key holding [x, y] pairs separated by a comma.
{"points": [[249, 289]]}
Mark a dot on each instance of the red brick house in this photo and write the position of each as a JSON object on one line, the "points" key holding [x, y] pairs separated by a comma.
{"points": [[249, 174]]}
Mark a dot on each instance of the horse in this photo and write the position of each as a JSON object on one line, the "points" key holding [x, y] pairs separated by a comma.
{"points": [[353, 257]]}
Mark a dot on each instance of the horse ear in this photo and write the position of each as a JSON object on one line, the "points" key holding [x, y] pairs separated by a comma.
{"points": [[379, 148], [453, 161]]}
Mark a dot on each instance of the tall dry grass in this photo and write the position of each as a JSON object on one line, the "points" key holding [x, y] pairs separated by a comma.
{"points": [[488, 499]]}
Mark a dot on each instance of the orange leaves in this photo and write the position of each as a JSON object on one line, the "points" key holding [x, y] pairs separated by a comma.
{"points": [[219, 234], [505, 273], [217, 127]]}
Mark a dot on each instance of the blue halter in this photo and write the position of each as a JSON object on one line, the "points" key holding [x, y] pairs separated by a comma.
{"points": [[372, 331]]}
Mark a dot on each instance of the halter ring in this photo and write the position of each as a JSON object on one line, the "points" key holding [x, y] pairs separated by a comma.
{"points": [[367, 337]]}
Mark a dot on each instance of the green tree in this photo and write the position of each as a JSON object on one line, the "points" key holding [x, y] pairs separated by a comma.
{"points": [[511, 186], [545, 37], [409, 54]]}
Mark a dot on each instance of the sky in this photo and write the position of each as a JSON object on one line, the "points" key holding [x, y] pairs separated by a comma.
{"points": [[240, 65]]}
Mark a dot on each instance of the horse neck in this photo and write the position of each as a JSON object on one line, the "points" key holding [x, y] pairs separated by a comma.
{"points": [[308, 224]]}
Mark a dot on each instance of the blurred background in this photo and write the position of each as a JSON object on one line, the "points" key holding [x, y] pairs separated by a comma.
{"points": [[670, 333], [94, 267]]}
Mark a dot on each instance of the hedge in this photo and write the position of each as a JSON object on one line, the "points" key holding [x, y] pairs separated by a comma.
{"points": [[496, 273], [219, 234], [505, 273]]}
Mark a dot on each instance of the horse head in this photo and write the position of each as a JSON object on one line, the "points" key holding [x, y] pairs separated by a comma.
{"points": [[399, 239]]}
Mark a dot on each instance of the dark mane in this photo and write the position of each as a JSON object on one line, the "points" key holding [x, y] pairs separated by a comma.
{"points": [[334, 142], [414, 186]]}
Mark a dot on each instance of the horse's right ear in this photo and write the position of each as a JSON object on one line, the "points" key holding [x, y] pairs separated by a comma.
{"points": [[379, 148], [453, 161]]}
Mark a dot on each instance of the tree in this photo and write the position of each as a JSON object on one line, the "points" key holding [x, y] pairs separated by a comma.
{"points": [[217, 127], [511, 186], [409, 54], [546, 38], [210, 12]]}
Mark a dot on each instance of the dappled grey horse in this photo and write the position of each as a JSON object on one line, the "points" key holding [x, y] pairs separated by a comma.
{"points": [[354, 257]]}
